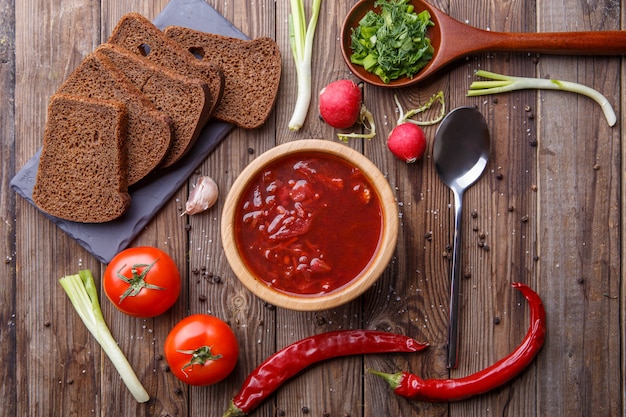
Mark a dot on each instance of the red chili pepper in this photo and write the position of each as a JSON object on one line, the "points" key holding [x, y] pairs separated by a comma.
{"points": [[289, 361], [443, 390]]}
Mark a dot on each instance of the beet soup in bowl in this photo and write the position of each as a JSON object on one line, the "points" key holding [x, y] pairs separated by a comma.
{"points": [[309, 225]]}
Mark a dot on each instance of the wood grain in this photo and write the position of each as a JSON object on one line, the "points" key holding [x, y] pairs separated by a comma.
{"points": [[8, 339], [580, 273], [547, 212]]}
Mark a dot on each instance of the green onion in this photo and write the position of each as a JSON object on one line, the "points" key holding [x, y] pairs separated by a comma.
{"points": [[504, 83], [81, 290], [301, 41]]}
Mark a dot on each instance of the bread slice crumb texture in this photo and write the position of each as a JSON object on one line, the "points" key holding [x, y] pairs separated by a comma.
{"points": [[149, 131], [141, 37], [252, 71], [82, 174], [182, 98]]}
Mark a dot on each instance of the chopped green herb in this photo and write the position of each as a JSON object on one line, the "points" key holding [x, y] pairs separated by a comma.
{"points": [[392, 44]]}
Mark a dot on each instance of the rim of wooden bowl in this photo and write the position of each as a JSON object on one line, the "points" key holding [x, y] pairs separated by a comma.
{"points": [[358, 285]]}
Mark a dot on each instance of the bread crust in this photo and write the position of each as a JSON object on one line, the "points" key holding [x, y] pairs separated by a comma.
{"points": [[252, 71], [149, 131], [183, 99], [82, 174], [141, 37]]}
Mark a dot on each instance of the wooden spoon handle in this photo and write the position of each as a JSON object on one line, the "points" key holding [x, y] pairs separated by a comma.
{"points": [[455, 40], [570, 43]]}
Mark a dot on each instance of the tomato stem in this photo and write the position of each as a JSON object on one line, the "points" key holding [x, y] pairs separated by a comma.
{"points": [[199, 356], [138, 281]]}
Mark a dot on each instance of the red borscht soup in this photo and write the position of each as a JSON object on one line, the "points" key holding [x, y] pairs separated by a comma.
{"points": [[308, 224]]}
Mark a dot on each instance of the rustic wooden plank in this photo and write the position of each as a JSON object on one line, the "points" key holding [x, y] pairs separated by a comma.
{"points": [[549, 206], [578, 227], [142, 339], [8, 360], [407, 299], [500, 226], [56, 378], [622, 286], [252, 321], [336, 387]]}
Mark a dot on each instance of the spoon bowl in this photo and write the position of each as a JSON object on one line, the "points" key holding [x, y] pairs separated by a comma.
{"points": [[452, 40], [460, 152]]}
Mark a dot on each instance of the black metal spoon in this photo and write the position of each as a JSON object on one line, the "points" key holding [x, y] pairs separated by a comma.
{"points": [[460, 151]]}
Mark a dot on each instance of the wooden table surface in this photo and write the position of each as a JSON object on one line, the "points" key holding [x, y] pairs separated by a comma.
{"points": [[547, 212]]}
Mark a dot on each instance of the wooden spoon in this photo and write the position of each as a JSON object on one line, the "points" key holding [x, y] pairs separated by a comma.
{"points": [[452, 40]]}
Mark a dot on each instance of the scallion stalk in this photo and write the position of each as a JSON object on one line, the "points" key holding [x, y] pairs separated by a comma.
{"points": [[504, 83], [81, 290], [301, 41]]}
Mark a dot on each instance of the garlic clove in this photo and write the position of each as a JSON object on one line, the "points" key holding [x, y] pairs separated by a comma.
{"points": [[202, 197]]}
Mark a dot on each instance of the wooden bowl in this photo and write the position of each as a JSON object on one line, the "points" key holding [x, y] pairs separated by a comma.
{"points": [[382, 253], [352, 22]]}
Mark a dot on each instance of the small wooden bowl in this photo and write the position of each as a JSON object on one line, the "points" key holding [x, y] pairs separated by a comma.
{"points": [[358, 285], [352, 22]]}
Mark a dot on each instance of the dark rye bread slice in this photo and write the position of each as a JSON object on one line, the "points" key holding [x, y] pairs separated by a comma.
{"points": [[82, 168], [141, 37], [149, 132], [183, 99], [252, 70]]}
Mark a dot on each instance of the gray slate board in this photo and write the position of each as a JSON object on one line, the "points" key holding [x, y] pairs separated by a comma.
{"points": [[105, 240]]}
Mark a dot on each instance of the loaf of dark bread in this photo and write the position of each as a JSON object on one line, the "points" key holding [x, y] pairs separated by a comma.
{"points": [[182, 98], [141, 37], [252, 70], [149, 131], [82, 174]]}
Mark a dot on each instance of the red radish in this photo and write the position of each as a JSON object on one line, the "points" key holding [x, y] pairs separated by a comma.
{"points": [[407, 141], [340, 104]]}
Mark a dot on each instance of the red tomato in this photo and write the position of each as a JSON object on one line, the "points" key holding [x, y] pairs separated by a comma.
{"points": [[142, 281], [201, 350]]}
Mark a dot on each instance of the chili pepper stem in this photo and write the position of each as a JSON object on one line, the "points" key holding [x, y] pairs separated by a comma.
{"points": [[392, 379], [233, 411]]}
